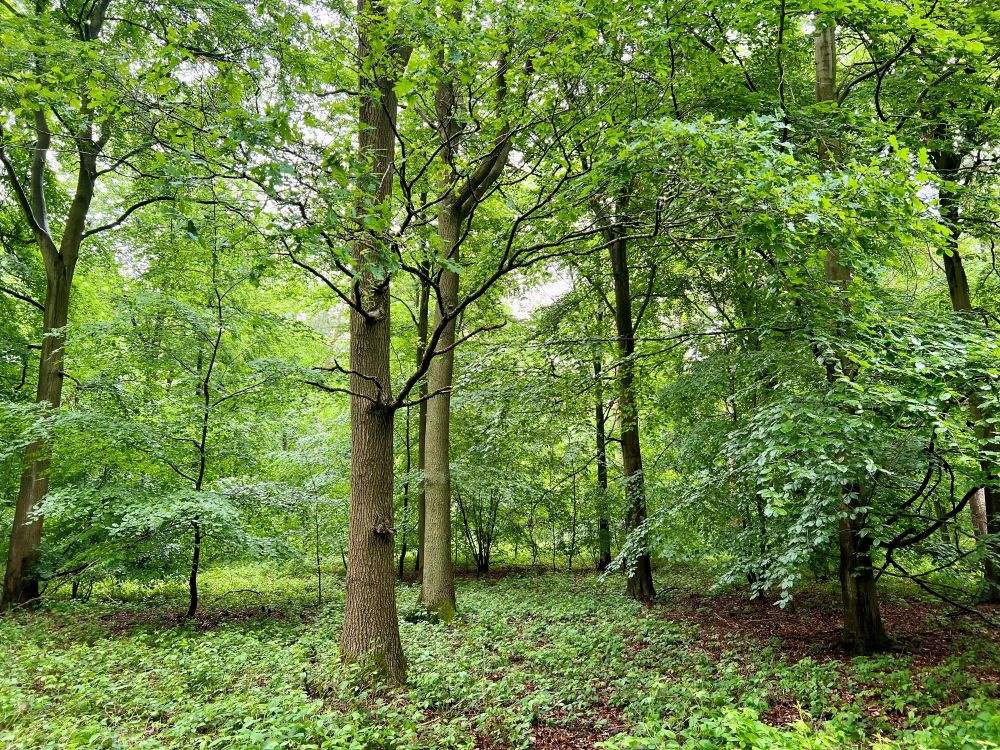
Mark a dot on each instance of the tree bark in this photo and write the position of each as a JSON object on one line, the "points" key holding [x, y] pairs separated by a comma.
{"points": [[193, 578], [437, 591], [371, 628], [864, 631], [406, 500], [20, 584], [978, 507], [422, 325], [640, 580], [603, 521]]}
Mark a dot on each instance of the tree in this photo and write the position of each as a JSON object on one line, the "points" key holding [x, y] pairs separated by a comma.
{"points": [[460, 195], [60, 252], [108, 86], [864, 631], [950, 117], [371, 629], [640, 571]]}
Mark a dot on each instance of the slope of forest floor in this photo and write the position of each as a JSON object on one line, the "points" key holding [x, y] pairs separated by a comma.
{"points": [[545, 661]]}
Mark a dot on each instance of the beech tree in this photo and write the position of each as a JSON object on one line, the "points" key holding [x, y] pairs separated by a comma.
{"points": [[81, 92]]}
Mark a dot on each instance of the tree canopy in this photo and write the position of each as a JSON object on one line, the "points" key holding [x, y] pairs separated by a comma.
{"points": [[411, 286]]}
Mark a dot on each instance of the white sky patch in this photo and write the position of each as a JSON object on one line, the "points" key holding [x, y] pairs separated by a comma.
{"points": [[531, 298]]}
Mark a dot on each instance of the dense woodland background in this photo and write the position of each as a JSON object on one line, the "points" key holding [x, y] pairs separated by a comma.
{"points": [[702, 295]]}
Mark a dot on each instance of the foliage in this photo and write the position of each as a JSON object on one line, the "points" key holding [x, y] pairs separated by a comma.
{"points": [[528, 654]]}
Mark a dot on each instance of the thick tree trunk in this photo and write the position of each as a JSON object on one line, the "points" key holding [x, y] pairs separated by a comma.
{"points": [[371, 627], [640, 580], [864, 631], [977, 505], [437, 591], [603, 519], [20, 584]]}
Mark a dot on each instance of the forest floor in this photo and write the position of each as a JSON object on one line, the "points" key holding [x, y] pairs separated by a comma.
{"points": [[545, 661]]}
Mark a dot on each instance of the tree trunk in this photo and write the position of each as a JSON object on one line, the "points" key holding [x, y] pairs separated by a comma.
{"points": [[437, 591], [20, 585], [406, 501], [371, 627], [991, 590], [640, 580], [864, 631], [948, 165], [978, 507], [422, 315], [193, 578], [603, 521]]}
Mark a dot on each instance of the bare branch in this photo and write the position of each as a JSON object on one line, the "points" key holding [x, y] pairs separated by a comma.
{"points": [[22, 297]]}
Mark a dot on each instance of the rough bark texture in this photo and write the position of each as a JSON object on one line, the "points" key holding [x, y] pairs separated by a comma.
{"points": [[20, 585], [371, 627], [640, 580], [603, 520], [864, 631], [978, 508]]}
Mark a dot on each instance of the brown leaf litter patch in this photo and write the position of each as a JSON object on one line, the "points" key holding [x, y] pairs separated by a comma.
{"points": [[811, 626], [579, 733], [557, 731]]}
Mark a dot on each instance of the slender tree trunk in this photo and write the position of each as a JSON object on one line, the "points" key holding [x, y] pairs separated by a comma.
{"points": [[948, 166], [640, 580], [406, 501], [572, 528], [371, 628], [437, 591], [319, 566], [422, 325], [193, 578], [204, 391], [603, 520], [864, 631]]}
